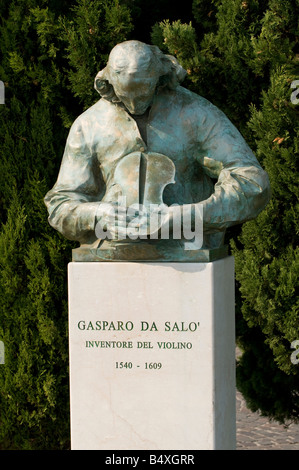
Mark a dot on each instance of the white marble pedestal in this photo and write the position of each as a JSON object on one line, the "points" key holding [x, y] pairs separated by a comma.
{"points": [[152, 355]]}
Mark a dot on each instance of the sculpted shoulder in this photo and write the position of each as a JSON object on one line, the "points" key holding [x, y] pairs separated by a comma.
{"points": [[190, 105], [208, 118], [185, 97], [99, 112], [91, 123]]}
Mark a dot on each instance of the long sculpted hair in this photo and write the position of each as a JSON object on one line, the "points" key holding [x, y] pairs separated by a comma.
{"points": [[171, 73]]}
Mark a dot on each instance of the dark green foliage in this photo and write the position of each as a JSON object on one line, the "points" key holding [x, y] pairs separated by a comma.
{"points": [[146, 13], [243, 56], [33, 321], [92, 25], [268, 287], [267, 389]]}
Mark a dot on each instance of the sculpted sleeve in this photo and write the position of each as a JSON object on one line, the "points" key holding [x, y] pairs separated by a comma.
{"points": [[242, 189], [72, 202]]}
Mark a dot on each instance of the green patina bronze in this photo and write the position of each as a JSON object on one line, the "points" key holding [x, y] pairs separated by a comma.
{"points": [[149, 141]]}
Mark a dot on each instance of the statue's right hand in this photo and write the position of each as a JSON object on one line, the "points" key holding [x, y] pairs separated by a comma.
{"points": [[109, 216], [114, 221]]}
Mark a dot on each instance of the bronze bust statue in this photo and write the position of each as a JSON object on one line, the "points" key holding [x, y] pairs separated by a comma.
{"points": [[161, 150]]}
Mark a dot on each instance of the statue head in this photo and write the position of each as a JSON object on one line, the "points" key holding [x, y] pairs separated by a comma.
{"points": [[134, 73]]}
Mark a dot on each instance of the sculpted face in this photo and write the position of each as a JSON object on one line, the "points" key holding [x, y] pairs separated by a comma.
{"points": [[134, 74]]}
